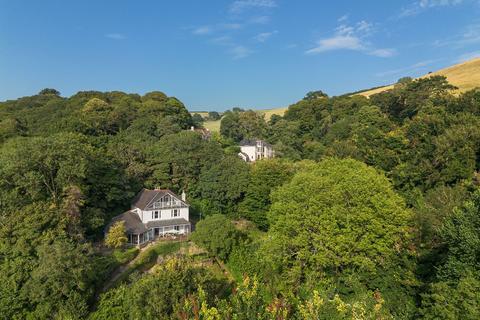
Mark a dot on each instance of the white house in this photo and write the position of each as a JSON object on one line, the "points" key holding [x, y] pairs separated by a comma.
{"points": [[155, 213], [253, 150]]}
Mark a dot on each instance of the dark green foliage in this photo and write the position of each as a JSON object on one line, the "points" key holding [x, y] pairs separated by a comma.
{"points": [[213, 116], [265, 176], [406, 99], [197, 120], [217, 234], [48, 91], [222, 186], [239, 125], [312, 95], [177, 160]]}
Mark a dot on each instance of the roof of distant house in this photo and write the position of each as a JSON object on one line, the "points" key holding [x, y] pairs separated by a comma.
{"points": [[252, 142]]}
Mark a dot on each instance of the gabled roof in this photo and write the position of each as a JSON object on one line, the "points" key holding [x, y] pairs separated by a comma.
{"points": [[248, 142], [253, 142], [244, 156], [146, 197], [133, 223]]}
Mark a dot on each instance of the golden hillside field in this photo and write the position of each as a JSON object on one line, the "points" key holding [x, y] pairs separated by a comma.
{"points": [[465, 76]]}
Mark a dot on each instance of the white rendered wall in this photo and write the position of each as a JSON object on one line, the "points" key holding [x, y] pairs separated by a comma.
{"points": [[164, 214], [250, 151]]}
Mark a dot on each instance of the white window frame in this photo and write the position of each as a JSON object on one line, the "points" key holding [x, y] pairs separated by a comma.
{"points": [[175, 213]]}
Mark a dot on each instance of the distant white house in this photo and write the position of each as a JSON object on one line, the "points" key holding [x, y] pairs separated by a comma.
{"points": [[253, 150], [155, 213]]}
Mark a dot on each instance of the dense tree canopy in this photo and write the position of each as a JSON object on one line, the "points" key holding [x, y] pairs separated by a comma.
{"points": [[370, 210]]}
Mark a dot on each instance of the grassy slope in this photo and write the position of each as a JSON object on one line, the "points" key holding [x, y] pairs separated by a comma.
{"points": [[465, 76], [214, 126]]}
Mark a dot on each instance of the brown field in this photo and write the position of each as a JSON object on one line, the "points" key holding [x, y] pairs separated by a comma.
{"points": [[465, 76]]}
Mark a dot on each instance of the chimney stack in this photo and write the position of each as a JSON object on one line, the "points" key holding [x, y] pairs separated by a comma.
{"points": [[184, 196]]}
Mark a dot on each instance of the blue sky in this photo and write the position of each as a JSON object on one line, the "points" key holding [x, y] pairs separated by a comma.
{"points": [[217, 54]]}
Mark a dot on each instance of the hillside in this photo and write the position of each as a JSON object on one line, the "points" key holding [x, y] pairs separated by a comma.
{"points": [[465, 76]]}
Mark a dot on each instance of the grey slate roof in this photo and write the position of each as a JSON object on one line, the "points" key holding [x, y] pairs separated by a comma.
{"points": [[247, 142], [146, 196], [133, 224], [167, 223], [253, 142]]}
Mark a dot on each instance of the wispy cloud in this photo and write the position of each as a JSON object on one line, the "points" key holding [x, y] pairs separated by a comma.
{"points": [[240, 52], [351, 37], [232, 26], [259, 20], [343, 18], [423, 5], [115, 36], [264, 36], [467, 56], [422, 65], [470, 35], [239, 6], [235, 50], [243, 15], [383, 53], [203, 30]]}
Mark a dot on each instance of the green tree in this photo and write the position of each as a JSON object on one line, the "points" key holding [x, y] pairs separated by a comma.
{"points": [[214, 116], [49, 91], [217, 234], [341, 218], [197, 120], [312, 95], [116, 236], [222, 186], [265, 176]]}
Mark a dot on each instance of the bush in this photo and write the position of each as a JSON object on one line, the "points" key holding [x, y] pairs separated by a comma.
{"points": [[126, 255]]}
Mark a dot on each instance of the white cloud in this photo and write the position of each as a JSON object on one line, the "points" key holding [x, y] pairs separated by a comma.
{"points": [[222, 40], [239, 6], [469, 36], [232, 26], [422, 5], [240, 52], [468, 56], [337, 42], [203, 30], [259, 20], [351, 37], [438, 3], [115, 36], [407, 70], [264, 36], [383, 53], [343, 18]]}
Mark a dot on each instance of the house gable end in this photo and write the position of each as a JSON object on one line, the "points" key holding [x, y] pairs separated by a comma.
{"points": [[160, 195]]}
